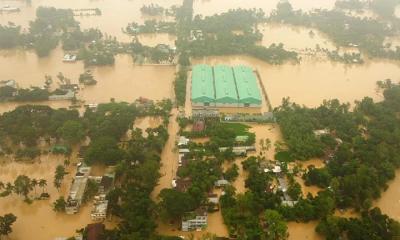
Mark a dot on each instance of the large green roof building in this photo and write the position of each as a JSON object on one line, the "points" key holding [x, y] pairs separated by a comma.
{"points": [[248, 90], [203, 93], [225, 87]]}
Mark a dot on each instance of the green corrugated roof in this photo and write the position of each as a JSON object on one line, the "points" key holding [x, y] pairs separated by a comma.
{"points": [[202, 84], [247, 86], [225, 88]]}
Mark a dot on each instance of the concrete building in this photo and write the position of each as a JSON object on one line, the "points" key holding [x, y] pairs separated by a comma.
{"points": [[246, 83], [67, 96], [225, 88], [194, 220], [202, 86], [77, 190]]}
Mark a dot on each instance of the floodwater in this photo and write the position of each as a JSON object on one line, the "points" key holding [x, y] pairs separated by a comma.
{"points": [[38, 219], [211, 7], [303, 231], [389, 202], [114, 18], [153, 39], [169, 157], [124, 81], [147, 122], [311, 81], [305, 37]]}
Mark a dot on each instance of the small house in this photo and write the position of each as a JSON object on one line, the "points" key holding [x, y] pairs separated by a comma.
{"points": [[221, 183]]}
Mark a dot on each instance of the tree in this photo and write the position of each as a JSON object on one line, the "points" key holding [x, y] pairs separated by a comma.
{"points": [[59, 205], [6, 222], [276, 228], [59, 176], [22, 186], [72, 131], [174, 203], [34, 183], [42, 183]]}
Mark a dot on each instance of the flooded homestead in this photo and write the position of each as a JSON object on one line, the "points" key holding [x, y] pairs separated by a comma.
{"points": [[39, 217]]}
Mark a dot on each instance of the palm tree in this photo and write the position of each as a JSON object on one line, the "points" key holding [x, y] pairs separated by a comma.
{"points": [[42, 184], [34, 183]]}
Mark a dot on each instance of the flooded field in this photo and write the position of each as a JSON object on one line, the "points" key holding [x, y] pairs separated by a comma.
{"points": [[305, 37], [114, 16], [153, 39], [47, 224], [311, 81], [211, 7], [124, 81], [389, 202], [303, 231]]}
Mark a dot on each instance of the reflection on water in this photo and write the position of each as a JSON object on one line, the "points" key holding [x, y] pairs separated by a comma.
{"points": [[310, 82]]}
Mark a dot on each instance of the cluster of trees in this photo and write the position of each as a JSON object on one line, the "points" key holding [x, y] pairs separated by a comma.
{"points": [[363, 149], [138, 171], [26, 124], [344, 30], [87, 78], [44, 35], [151, 26], [152, 10], [101, 52], [22, 186], [159, 54], [180, 86], [6, 222], [218, 37], [346, 58]]}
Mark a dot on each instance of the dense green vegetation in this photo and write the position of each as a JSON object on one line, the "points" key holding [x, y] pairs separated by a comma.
{"points": [[366, 34], [359, 164], [215, 35]]}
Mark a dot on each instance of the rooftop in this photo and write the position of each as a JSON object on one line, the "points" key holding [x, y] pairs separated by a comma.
{"points": [[246, 82], [225, 88], [202, 84]]}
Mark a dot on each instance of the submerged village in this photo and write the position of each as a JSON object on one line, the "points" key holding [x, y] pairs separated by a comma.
{"points": [[191, 119]]}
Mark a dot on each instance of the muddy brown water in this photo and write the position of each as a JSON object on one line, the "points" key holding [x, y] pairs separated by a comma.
{"points": [[211, 7], [124, 81], [38, 217], [312, 81], [114, 18]]}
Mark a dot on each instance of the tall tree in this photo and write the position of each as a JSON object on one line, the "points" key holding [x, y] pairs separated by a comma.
{"points": [[276, 228], [6, 222]]}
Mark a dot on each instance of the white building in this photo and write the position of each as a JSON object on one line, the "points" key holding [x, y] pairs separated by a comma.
{"points": [[194, 220]]}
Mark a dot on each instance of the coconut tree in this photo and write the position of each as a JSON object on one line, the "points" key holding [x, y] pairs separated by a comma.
{"points": [[34, 183], [22, 186], [42, 184]]}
